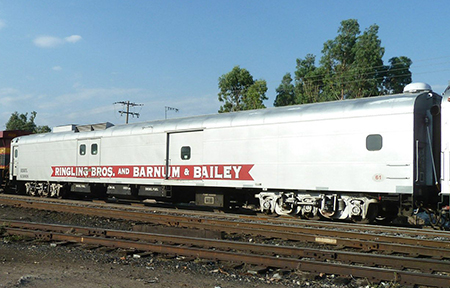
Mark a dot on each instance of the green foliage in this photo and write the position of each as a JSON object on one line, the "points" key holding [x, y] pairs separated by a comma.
{"points": [[351, 66], [285, 92], [397, 74], [368, 66], [239, 91], [307, 80], [353, 62], [255, 95], [42, 129], [21, 122]]}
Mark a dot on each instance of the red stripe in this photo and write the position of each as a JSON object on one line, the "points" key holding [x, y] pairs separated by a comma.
{"points": [[178, 172]]}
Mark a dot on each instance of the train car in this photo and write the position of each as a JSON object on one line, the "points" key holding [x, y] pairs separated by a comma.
{"points": [[445, 148], [352, 159], [5, 144]]}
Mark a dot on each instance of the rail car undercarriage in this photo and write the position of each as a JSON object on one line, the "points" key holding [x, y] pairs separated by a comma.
{"points": [[331, 206], [43, 189], [354, 207], [305, 205]]}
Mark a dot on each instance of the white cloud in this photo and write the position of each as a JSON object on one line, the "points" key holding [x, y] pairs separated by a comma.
{"points": [[13, 100], [82, 106], [95, 105], [6, 91], [73, 38], [83, 95], [57, 68], [46, 41], [11, 96], [2, 24]]}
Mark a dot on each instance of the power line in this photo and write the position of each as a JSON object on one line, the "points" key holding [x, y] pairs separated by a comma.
{"points": [[167, 108], [367, 72], [128, 104]]}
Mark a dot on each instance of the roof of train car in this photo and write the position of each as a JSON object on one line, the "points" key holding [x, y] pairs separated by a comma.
{"points": [[380, 105]]}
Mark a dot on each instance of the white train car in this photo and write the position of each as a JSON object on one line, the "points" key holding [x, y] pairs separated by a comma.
{"points": [[445, 146], [346, 159]]}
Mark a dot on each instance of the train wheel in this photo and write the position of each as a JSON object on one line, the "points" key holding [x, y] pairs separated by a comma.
{"points": [[386, 213], [372, 213], [286, 209]]}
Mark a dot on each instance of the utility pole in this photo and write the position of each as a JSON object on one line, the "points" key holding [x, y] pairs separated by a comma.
{"points": [[128, 109], [167, 108]]}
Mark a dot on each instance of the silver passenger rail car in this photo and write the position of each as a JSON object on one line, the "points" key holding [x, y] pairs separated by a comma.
{"points": [[352, 159]]}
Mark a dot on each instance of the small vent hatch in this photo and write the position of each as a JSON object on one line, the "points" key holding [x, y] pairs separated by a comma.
{"points": [[417, 87], [93, 127]]}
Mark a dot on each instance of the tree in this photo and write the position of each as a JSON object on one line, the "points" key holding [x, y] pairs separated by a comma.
{"points": [[351, 66], [353, 62], [285, 92], [239, 91], [397, 74], [368, 66], [308, 80], [255, 95], [21, 122], [338, 57]]}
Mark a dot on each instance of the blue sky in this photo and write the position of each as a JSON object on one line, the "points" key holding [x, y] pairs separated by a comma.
{"points": [[71, 60]]}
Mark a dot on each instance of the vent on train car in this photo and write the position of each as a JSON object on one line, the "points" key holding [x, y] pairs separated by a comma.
{"points": [[93, 127], [417, 87], [64, 128]]}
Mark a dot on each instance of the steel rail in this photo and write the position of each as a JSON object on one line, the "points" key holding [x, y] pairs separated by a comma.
{"points": [[374, 274], [424, 265], [410, 231], [368, 242], [280, 220]]}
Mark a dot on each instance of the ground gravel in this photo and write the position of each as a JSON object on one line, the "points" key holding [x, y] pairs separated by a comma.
{"points": [[30, 263], [40, 265]]}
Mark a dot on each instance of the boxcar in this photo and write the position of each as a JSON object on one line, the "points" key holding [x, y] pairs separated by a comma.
{"points": [[5, 151]]}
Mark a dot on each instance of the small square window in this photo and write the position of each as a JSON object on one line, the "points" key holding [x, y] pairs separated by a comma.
{"points": [[374, 142], [185, 153], [82, 149], [94, 149]]}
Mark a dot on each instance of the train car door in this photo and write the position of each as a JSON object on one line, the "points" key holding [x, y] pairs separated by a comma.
{"points": [[445, 143], [427, 162], [88, 153], [184, 151], [15, 161]]}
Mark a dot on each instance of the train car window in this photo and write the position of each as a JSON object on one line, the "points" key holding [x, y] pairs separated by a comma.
{"points": [[185, 153], [374, 142], [16, 153], [94, 149], [82, 149]]}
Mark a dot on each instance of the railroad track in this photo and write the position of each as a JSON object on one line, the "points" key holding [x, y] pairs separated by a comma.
{"points": [[404, 262], [427, 272], [427, 243]]}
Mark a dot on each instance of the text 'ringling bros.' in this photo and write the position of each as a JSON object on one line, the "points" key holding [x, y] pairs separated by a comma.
{"points": [[184, 172]]}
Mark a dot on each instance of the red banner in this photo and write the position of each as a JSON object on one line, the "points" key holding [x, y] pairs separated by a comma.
{"points": [[182, 172]]}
